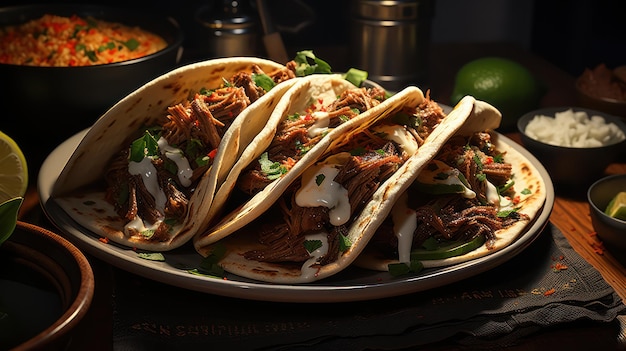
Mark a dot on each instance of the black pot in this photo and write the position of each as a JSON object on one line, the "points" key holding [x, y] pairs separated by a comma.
{"points": [[42, 106]]}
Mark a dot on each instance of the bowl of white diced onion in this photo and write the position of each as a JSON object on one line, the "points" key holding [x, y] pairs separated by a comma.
{"points": [[574, 144]]}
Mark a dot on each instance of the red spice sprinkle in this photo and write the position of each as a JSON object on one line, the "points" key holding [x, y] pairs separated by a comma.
{"points": [[212, 153], [104, 240], [559, 267], [549, 292]]}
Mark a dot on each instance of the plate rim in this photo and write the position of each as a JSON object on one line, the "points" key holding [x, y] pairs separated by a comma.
{"points": [[317, 292]]}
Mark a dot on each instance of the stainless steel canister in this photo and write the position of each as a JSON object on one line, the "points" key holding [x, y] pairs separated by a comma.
{"points": [[227, 28], [390, 39]]}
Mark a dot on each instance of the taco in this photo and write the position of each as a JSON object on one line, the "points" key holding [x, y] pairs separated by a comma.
{"points": [[474, 198], [139, 173], [312, 115], [321, 222]]}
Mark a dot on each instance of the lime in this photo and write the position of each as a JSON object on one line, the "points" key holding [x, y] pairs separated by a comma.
{"points": [[617, 206], [503, 83], [13, 170]]}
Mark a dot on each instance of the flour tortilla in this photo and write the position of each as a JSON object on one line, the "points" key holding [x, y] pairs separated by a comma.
{"points": [[78, 190], [295, 100], [526, 177], [467, 112]]}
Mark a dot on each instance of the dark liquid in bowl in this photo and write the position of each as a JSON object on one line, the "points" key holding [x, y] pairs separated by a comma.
{"points": [[29, 304]]}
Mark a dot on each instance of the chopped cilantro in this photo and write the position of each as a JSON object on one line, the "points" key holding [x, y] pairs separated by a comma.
{"points": [[506, 213], [151, 256], [397, 269], [319, 179], [381, 152], [264, 81], [407, 119], [526, 191], [144, 146], [206, 92], [312, 245], [358, 151], [209, 266], [499, 158], [301, 148], [308, 64], [273, 170], [344, 243], [478, 162]]}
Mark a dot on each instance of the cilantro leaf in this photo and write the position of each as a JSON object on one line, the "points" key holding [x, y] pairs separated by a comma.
{"points": [[308, 64], [264, 81], [273, 170], [312, 245]]}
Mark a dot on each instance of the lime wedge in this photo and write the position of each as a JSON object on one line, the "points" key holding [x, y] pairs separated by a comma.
{"points": [[617, 206], [13, 170]]}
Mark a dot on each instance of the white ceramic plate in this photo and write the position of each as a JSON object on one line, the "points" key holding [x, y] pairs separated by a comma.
{"points": [[352, 284]]}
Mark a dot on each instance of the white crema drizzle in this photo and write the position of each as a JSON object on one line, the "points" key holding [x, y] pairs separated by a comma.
{"points": [[307, 270], [177, 156], [400, 136], [404, 226], [319, 189], [322, 121]]}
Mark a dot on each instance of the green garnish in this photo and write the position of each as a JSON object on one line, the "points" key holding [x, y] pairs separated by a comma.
{"points": [[308, 64], [319, 179], [148, 233], [301, 148], [273, 170], [504, 188], [91, 55], [131, 44], [312, 245], [358, 151], [398, 269], [144, 146], [478, 162], [294, 117], [355, 76], [447, 249], [209, 266], [344, 243], [526, 191], [108, 46], [506, 213], [264, 81], [407, 119], [151, 256], [8, 217]]}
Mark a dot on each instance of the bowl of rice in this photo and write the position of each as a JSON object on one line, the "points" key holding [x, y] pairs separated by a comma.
{"points": [[64, 65], [574, 144]]}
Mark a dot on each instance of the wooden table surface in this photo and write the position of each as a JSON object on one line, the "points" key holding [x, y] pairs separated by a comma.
{"points": [[570, 215]]}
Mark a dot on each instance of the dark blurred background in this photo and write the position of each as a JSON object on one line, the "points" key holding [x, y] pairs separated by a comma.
{"points": [[572, 34]]}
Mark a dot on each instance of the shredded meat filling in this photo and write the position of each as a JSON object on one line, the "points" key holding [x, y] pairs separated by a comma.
{"points": [[292, 139], [361, 176]]}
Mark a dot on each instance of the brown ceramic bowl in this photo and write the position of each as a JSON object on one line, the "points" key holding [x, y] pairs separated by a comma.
{"points": [[46, 105], [605, 104], [47, 286], [611, 231]]}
